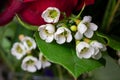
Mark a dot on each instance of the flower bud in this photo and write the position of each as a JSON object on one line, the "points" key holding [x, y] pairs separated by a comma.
{"points": [[77, 21], [73, 28]]}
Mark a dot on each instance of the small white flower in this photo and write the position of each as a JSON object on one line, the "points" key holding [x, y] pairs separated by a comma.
{"points": [[31, 64], [84, 50], [51, 15], [18, 50], [44, 62], [63, 35], [86, 27], [98, 48], [46, 32], [29, 43]]}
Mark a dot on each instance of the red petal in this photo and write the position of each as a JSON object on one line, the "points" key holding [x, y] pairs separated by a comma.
{"points": [[9, 12], [29, 0], [32, 14]]}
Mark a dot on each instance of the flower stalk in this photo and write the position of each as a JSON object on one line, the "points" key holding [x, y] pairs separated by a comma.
{"points": [[113, 15]]}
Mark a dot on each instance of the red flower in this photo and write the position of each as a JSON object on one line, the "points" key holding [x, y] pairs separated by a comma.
{"points": [[13, 6], [31, 10]]}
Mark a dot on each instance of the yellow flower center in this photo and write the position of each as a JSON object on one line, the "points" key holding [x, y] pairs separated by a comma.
{"points": [[53, 13]]}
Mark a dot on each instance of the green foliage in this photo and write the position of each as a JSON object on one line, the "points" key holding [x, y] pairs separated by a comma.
{"points": [[65, 55], [109, 15], [8, 36], [27, 26], [111, 42]]}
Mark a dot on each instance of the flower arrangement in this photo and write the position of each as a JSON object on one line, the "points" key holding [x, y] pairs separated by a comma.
{"points": [[60, 36]]}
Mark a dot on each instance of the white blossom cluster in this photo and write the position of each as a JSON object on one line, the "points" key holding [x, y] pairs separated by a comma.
{"points": [[86, 48], [48, 31], [82, 31], [23, 50]]}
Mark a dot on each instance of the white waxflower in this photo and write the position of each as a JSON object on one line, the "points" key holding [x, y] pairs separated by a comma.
{"points": [[18, 50], [63, 35], [46, 32], [85, 27], [51, 15], [31, 64], [29, 43], [44, 62], [84, 50], [98, 48]]}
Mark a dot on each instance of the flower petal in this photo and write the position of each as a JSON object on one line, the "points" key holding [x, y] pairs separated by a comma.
{"points": [[60, 39], [104, 48], [97, 56], [81, 45], [50, 28], [89, 33], [31, 68], [78, 36], [45, 64], [49, 38], [38, 65], [69, 38], [87, 19], [96, 44], [82, 28], [93, 26], [42, 32], [89, 53]]}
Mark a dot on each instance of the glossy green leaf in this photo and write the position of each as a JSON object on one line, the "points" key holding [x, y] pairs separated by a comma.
{"points": [[65, 55], [112, 42]]}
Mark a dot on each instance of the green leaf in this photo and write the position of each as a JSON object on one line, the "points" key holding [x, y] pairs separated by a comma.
{"points": [[65, 55], [111, 42], [109, 15], [28, 26]]}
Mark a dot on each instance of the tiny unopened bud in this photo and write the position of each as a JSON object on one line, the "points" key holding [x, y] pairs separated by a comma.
{"points": [[73, 28], [87, 40], [77, 42], [21, 36], [77, 21]]}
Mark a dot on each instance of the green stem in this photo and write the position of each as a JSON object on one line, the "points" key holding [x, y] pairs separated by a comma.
{"points": [[112, 15], [80, 11], [25, 25], [2, 54], [60, 72]]}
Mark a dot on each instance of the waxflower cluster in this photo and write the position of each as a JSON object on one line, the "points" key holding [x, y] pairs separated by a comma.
{"points": [[48, 31], [71, 28], [23, 51]]}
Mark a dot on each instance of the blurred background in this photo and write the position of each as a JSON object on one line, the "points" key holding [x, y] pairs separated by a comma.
{"points": [[105, 13]]}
